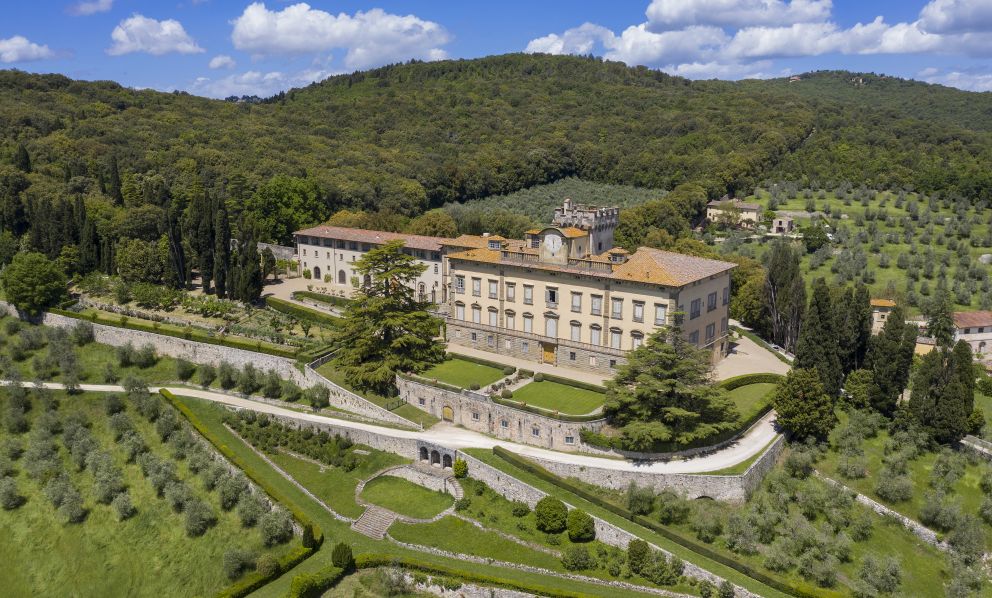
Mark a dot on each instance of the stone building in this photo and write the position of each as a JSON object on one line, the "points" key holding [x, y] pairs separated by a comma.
{"points": [[880, 310], [975, 328], [733, 211]]}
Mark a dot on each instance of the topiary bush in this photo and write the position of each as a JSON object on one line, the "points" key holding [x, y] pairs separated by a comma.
{"points": [[551, 515], [460, 468], [341, 556], [638, 553], [577, 558], [507, 393], [581, 527], [520, 509], [539, 377]]}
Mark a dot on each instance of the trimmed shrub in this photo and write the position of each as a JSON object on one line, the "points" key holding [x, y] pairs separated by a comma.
{"points": [[577, 558], [506, 394], [520, 509], [509, 370], [341, 556], [237, 561], [581, 527], [638, 553], [460, 468], [539, 377], [551, 515]]}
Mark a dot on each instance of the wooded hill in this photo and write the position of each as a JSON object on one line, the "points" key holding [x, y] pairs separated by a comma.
{"points": [[408, 137]]}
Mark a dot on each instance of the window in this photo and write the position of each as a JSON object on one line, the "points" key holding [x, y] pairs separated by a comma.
{"points": [[576, 302], [476, 287], [571, 355], [710, 332], [576, 334], [981, 329], [435, 268], [551, 327], [638, 311], [528, 294], [616, 308], [723, 325], [476, 314], [535, 431], [570, 440], [711, 302], [491, 340], [636, 340], [597, 305], [508, 344], [551, 296], [504, 424], [613, 364], [474, 336], [493, 286], [304, 251], [341, 245], [528, 323], [967, 330], [511, 320], [475, 415], [694, 337], [694, 308], [421, 401], [726, 295], [595, 334], [493, 317], [493, 244], [660, 314], [511, 291], [592, 360], [535, 242], [459, 284], [353, 246], [525, 346], [615, 337], [459, 311]]}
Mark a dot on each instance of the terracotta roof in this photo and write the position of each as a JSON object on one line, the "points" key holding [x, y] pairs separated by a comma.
{"points": [[972, 319], [377, 237], [533, 231], [734, 203], [572, 233], [652, 266], [883, 303]]}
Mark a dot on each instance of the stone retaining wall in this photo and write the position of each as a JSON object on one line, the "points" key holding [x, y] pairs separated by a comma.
{"points": [[421, 478], [476, 412]]}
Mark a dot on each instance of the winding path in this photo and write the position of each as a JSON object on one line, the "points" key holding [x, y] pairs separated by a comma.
{"points": [[749, 445]]}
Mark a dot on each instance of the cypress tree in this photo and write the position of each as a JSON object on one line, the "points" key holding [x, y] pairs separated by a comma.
{"points": [[890, 356], [114, 182], [940, 319], [862, 309], [89, 247], [222, 249], [22, 160], [204, 239], [943, 392], [785, 293], [177, 272], [846, 321], [818, 340], [247, 278]]}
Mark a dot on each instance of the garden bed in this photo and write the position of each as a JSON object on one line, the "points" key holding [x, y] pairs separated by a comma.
{"points": [[406, 498], [463, 373], [555, 396]]}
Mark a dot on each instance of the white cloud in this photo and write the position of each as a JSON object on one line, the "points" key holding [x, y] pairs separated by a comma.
{"points": [[222, 61], [255, 83], [669, 14], [638, 45], [21, 49], [718, 70], [139, 33], [371, 38], [956, 16], [578, 40], [972, 81], [89, 7]]}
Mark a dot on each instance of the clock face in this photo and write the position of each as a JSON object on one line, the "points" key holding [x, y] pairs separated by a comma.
{"points": [[553, 243]]}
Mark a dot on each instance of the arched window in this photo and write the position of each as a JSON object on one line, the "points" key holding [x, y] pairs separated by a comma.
{"points": [[493, 316], [421, 291], [528, 323], [636, 339], [511, 319], [551, 326], [596, 334], [477, 314], [342, 277], [459, 311], [576, 330], [316, 273], [616, 335]]}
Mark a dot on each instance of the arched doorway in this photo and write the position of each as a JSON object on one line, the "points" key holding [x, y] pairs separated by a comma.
{"points": [[446, 461], [421, 292], [423, 454], [316, 273], [448, 414], [341, 277], [435, 458]]}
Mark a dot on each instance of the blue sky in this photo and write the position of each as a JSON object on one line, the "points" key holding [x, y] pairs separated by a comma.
{"points": [[224, 47]]}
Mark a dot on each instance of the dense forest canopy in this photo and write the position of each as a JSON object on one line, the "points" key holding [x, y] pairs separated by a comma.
{"points": [[406, 138]]}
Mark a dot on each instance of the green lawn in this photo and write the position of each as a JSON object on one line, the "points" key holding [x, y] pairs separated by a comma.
{"points": [[752, 398], [405, 497], [985, 404], [404, 410], [334, 485], [555, 396], [463, 373], [335, 531], [147, 555]]}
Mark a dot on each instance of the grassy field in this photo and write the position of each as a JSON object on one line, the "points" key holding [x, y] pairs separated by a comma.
{"points": [[404, 410], [752, 398], [146, 555], [405, 497], [335, 531], [559, 397], [875, 237], [463, 373], [457, 535], [334, 485]]}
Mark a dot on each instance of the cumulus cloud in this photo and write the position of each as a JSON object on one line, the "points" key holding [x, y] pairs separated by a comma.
{"points": [[371, 38], [956, 16], [21, 49], [668, 14], [972, 81], [262, 84], [139, 33], [222, 61], [89, 7]]}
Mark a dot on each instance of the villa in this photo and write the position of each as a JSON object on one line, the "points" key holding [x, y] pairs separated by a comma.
{"points": [[739, 213]]}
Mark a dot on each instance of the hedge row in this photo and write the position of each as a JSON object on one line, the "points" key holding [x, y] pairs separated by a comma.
{"points": [[247, 586], [435, 383], [574, 383], [794, 589], [480, 361], [302, 313], [323, 298], [191, 334], [368, 561], [313, 585], [746, 379], [544, 412]]}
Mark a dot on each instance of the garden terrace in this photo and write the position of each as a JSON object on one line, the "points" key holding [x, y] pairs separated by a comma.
{"points": [[464, 373], [405, 498], [394, 404], [151, 551], [559, 397]]}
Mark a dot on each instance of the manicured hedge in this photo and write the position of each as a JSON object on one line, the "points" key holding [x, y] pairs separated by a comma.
{"points": [[794, 589], [368, 561], [546, 413], [298, 555], [303, 313], [574, 383], [430, 382], [746, 379], [312, 585], [191, 334], [323, 298], [480, 361]]}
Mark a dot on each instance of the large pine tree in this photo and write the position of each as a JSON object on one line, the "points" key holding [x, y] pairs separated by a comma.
{"points": [[943, 392], [386, 328], [802, 405], [818, 347]]}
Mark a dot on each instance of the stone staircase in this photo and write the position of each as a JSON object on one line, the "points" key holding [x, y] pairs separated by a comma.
{"points": [[374, 522], [444, 474]]}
